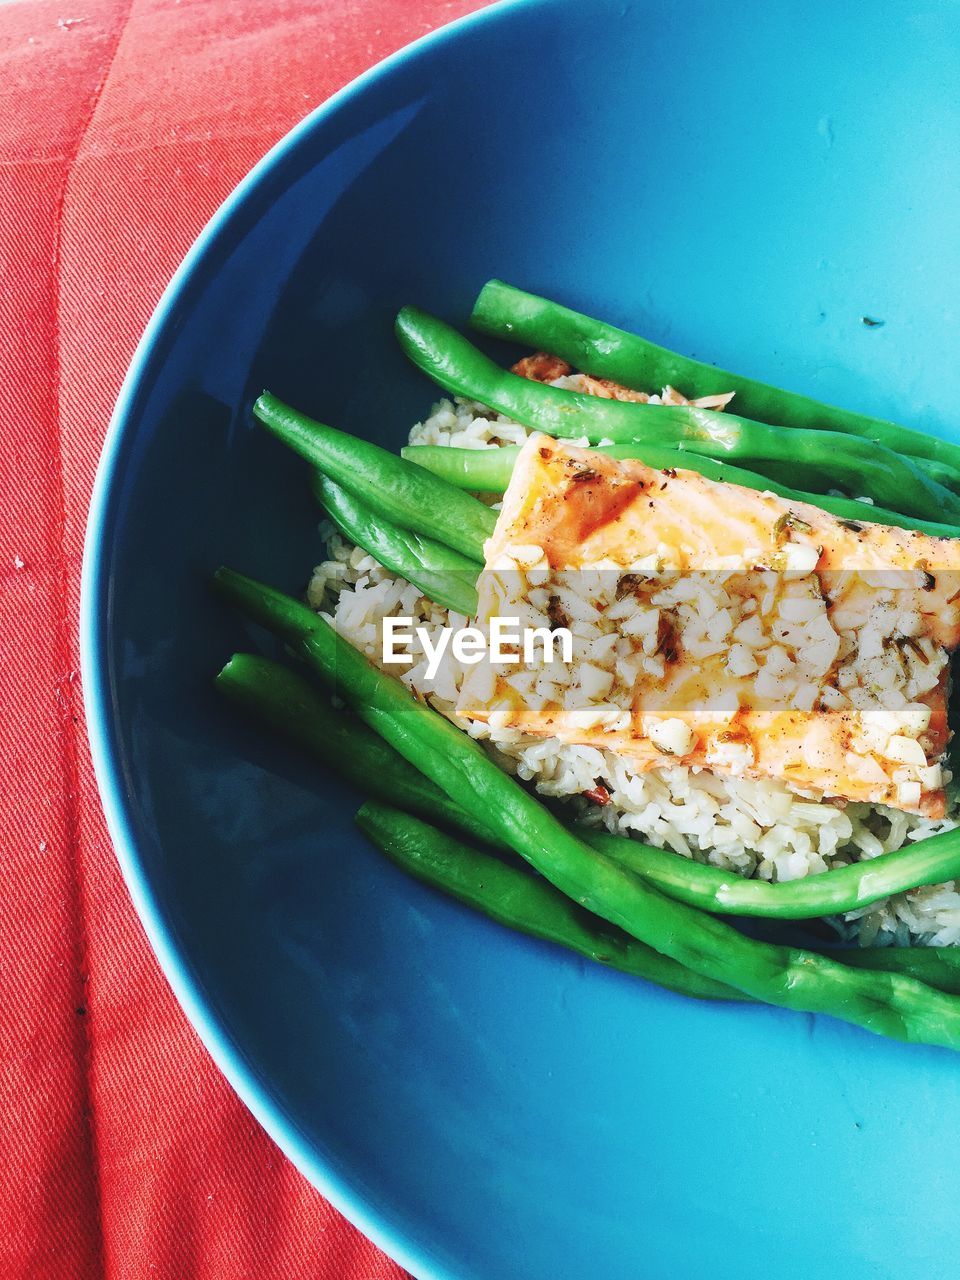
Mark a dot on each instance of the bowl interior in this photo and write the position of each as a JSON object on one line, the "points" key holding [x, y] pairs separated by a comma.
{"points": [[734, 184]]}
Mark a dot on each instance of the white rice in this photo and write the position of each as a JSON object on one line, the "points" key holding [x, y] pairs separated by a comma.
{"points": [[755, 828]]}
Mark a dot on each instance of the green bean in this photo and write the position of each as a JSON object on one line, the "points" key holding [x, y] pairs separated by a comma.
{"points": [[442, 574], [523, 902], [607, 352], [404, 494], [941, 472], [929, 861], [489, 471], [273, 695], [888, 1004], [936, 966], [532, 906], [819, 460]]}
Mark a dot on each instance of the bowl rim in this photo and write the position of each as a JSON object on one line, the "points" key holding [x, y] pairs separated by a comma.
{"points": [[372, 1220]]}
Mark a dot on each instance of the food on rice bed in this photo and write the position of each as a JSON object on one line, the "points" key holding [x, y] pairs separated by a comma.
{"points": [[760, 674]]}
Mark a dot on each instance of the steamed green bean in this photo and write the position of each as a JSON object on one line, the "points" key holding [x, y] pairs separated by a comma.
{"points": [[819, 460], [404, 494], [512, 897], [524, 902], [608, 352], [929, 861], [271, 694], [442, 574]]}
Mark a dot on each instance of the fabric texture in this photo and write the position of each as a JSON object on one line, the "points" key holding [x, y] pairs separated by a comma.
{"points": [[123, 125]]}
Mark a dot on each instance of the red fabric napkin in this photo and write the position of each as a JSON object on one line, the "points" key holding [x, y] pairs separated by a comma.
{"points": [[123, 124]]}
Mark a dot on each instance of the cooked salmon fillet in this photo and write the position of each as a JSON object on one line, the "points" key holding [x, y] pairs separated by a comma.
{"points": [[720, 627]]}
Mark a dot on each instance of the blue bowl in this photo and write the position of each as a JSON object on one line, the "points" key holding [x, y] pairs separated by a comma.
{"points": [[744, 183]]}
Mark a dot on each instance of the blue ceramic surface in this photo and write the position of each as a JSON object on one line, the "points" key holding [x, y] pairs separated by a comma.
{"points": [[743, 182]]}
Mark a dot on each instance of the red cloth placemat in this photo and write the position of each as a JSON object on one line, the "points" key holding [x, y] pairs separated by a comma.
{"points": [[123, 124]]}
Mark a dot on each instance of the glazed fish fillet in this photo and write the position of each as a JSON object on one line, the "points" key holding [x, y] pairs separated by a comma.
{"points": [[720, 627]]}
